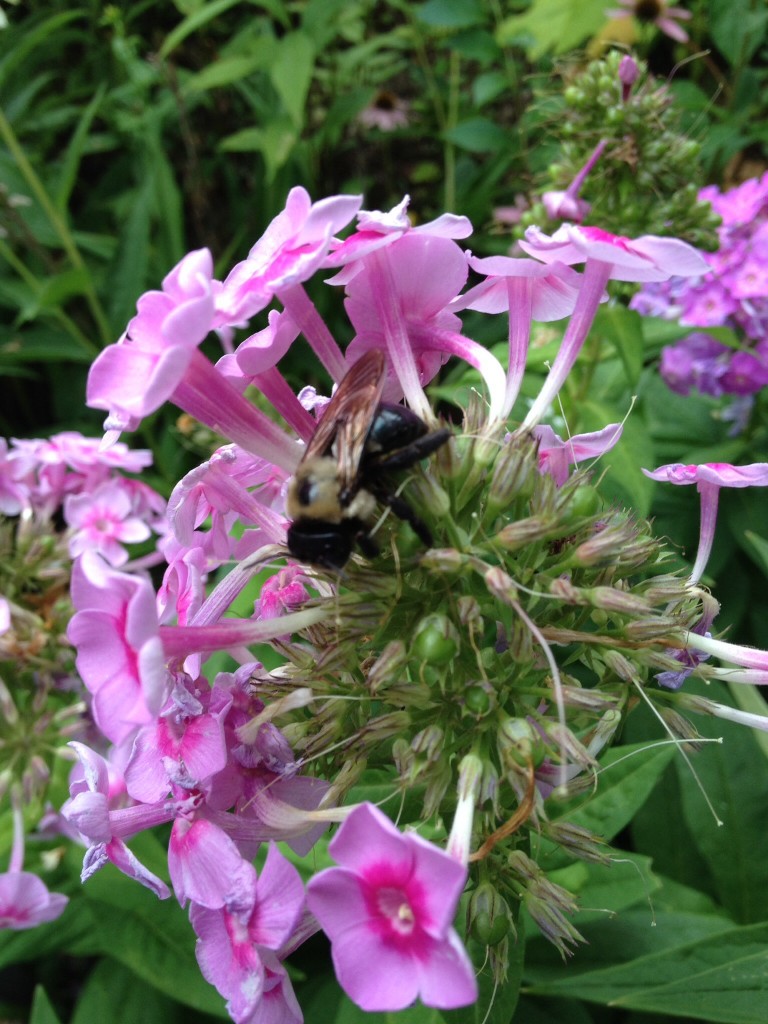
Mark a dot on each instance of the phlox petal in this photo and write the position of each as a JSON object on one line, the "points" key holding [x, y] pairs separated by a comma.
{"points": [[205, 865], [26, 902]]}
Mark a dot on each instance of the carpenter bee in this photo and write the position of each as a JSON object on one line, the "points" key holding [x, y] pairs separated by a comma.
{"points": [[346, 469]]}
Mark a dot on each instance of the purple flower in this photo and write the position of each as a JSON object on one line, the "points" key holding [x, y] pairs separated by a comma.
{"points": [[388, 911]]}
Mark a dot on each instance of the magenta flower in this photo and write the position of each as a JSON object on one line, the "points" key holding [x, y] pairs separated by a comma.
{"points": [[105, 829], [26, 902], [119, 653], [140, 372], [648, 258], [556, 455], [606, 257], [709, 478], [388, 911], [238, 945]]}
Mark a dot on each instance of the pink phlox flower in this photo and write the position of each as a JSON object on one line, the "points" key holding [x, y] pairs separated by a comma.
{"points": [[216, 490], [255, 364], [555, 455], [119, 652], [398, 302], [88, 810], [561, 205], [205, 864], [388, 911], [5, 615], [182, 591], [708, 305], [235, 942], [264, 349], [719, 474], [292, 248], [648, 258], [750, 281], [14, 493], [376, 230], [282, 593], [656, 12], [184, 747], [26, 901], [709, 478], [103, 521], [554, 287], [141, 371]]}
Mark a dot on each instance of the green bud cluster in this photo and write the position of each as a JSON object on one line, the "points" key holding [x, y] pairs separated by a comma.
{"points": [[647, 179], [519, 642], [36, 662]]}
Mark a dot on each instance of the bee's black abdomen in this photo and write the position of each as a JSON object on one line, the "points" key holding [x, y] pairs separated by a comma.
{"points": [[316, 542]]}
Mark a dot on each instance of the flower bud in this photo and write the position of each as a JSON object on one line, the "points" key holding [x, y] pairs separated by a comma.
{"points": [[501, 585], [519, 742], [446, 560], [388, 665], [488, 915], [435, 640], [525, 531]]}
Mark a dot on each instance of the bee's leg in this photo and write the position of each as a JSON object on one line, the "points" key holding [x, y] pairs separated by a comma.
{"points": [[417, 450], [367, 544], [403, 511]]}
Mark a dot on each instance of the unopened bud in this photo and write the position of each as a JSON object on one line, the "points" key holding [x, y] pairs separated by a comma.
{"points": [[512, 472], [576, 840], [620, 665], [429, 743], [628, 75], [388, 665], [614, 600], [501, 585], [657, 628], [443, 560], [525, 531], [488, 915], [520, 743]]}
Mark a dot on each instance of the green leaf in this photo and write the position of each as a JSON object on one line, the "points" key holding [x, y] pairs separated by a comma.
{"points": [[226, 71], [627, 777], [738, 28], [556, 25], [199, 17], [733, 776], [477, 135], [128, 274], [275, 142], [73, 154], [451, 13], [624, 328], [722, 979], [291, 73], [488, 86], [42, 1009], [112, 993]]}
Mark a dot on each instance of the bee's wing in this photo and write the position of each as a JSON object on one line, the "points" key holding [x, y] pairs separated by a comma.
{"points": [[348, 416]]}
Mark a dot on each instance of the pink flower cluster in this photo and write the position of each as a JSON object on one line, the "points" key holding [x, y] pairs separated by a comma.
{"points": [[207, 757], [102, 509], [733, 293]]}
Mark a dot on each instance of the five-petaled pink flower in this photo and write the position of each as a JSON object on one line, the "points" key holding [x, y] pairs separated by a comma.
{"points": [[388, 911]]}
